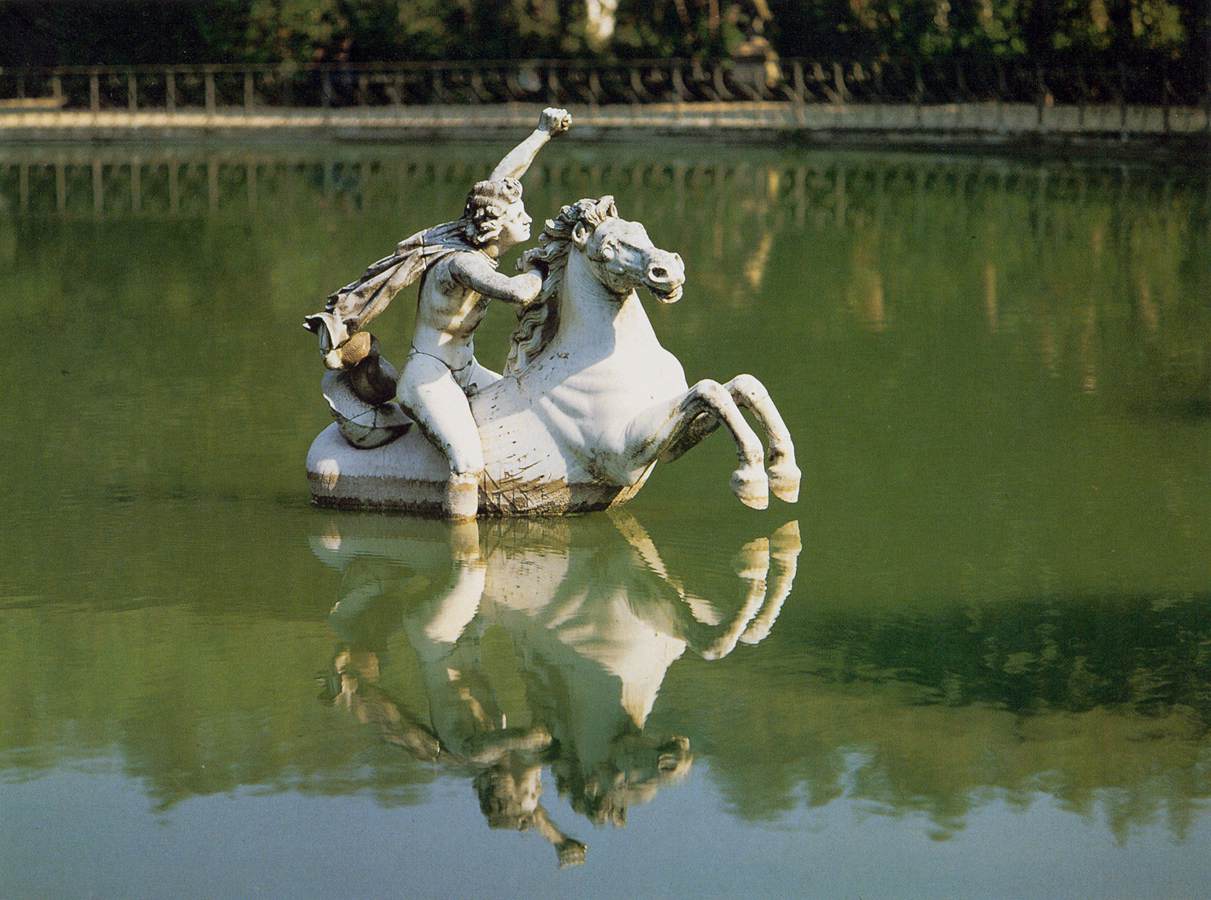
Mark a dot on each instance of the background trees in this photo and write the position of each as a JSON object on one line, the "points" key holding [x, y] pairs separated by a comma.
{"points": [[1139, 33]]}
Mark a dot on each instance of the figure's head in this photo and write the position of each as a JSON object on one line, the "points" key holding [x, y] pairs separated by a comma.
{"points": [[508, 794], [495, 215]]}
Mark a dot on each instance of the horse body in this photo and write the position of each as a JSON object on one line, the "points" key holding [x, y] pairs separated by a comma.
{"points": [[579, 418]]}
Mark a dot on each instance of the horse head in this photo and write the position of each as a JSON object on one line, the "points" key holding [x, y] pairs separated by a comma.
{"points": [[637, 767], [622, 256], [618, 254]]}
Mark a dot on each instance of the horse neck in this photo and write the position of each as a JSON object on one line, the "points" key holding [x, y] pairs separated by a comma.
{"points": [[588, 308]]}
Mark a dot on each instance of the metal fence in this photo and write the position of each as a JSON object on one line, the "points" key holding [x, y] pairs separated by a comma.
{"points": [[232, 88]]}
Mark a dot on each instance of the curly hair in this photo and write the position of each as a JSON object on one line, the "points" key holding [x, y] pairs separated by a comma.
{"points": [[483, 214], [537, 323]]}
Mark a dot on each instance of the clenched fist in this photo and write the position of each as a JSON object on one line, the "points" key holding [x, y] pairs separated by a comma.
{"points": [[554, 121]]}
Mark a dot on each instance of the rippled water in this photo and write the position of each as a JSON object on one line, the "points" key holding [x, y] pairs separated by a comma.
{"points": [[974, 659]]}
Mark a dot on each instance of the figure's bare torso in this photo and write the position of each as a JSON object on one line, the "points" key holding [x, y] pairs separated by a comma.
{"points": [[447, 314]]}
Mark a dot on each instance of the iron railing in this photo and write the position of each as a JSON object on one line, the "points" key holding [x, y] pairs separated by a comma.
{"points": [[235, 87]]}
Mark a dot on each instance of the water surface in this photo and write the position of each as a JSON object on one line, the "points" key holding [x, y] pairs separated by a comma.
{"points": [[975, 658]]}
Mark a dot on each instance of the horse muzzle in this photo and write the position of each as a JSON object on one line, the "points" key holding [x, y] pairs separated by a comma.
{"points": [[665, 276]]}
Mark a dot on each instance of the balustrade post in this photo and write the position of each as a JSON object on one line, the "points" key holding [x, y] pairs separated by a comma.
{"points": [[678, 83], [326, 89], [1122, 99], [56, 88], [595, 88], [210, 97], [1166, 97], [839, 82], [94, 92], [1083, 87], [170, 90], [1041, 92], [249, 93], [132, 92], [918, 89], [799, 89]]}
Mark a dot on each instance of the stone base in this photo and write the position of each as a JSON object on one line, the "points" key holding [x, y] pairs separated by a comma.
{"points": [[409, 475]]}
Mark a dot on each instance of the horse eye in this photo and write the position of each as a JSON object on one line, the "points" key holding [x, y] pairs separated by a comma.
{"points": [[607, 252]]}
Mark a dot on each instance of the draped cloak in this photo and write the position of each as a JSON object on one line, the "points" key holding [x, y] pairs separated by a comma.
{"points": [[351, 308]]}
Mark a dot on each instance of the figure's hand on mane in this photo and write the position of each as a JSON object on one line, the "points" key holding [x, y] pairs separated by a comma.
{"points": [[530, 261]]}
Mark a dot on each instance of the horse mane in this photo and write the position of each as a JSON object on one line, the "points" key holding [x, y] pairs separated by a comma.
{"points": [[537, 324]]}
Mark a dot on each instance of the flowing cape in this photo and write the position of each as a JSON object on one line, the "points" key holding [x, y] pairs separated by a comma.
{"points": [[350, 308]]}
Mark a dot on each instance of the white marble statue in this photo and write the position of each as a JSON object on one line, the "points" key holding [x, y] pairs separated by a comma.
{"points": [[589, 400]]}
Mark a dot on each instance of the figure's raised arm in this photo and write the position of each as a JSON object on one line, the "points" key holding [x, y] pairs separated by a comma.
{"points": [[517, 162], [476, 273]]}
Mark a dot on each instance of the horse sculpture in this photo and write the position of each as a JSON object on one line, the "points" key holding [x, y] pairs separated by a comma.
{"points": [[588, 403]]}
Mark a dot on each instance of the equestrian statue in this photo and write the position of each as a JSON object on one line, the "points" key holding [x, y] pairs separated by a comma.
{"points": [[588, 402]]}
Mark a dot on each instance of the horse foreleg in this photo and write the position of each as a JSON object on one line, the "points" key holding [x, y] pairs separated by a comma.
{"points": [[668, 429], [784, 546], [784, 475]]}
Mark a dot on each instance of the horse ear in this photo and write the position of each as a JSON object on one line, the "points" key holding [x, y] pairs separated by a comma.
{"points": [[580, 234], [606, 205]]}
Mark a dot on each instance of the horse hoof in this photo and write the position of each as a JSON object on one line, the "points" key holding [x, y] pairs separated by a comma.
{"points": [[784, 481], [785, 543], [751, 487], [752, 562]]}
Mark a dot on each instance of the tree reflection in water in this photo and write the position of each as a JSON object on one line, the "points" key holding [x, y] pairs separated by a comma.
{"points": [[594, 621]]}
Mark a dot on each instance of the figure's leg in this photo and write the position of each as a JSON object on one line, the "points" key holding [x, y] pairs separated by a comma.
{"points": [[430, 395], [672, 427], [784, 475]]}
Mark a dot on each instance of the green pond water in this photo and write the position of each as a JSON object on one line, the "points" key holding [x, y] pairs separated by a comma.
{"points": [[973, 660]]}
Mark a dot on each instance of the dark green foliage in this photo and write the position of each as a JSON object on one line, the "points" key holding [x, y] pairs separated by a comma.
{"points": [[1052, 32]]}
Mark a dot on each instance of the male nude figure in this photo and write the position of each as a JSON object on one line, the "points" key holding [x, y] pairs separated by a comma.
{"points": [[457, 265]]}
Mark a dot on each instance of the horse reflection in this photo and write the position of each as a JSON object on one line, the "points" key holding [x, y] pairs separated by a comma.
{"points": [[594, 619]]}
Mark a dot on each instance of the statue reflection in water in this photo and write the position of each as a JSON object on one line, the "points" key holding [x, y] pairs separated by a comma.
{"points": [[595, 620]]}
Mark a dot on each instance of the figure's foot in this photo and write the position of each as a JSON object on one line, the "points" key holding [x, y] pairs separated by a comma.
{"points": [[464, 541], [751, 486], [462, 496], [784, 480], [571, 853], [328, 472]]}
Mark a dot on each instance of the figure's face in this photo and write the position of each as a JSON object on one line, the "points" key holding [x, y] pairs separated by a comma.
{"points": [[516, 226]]}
